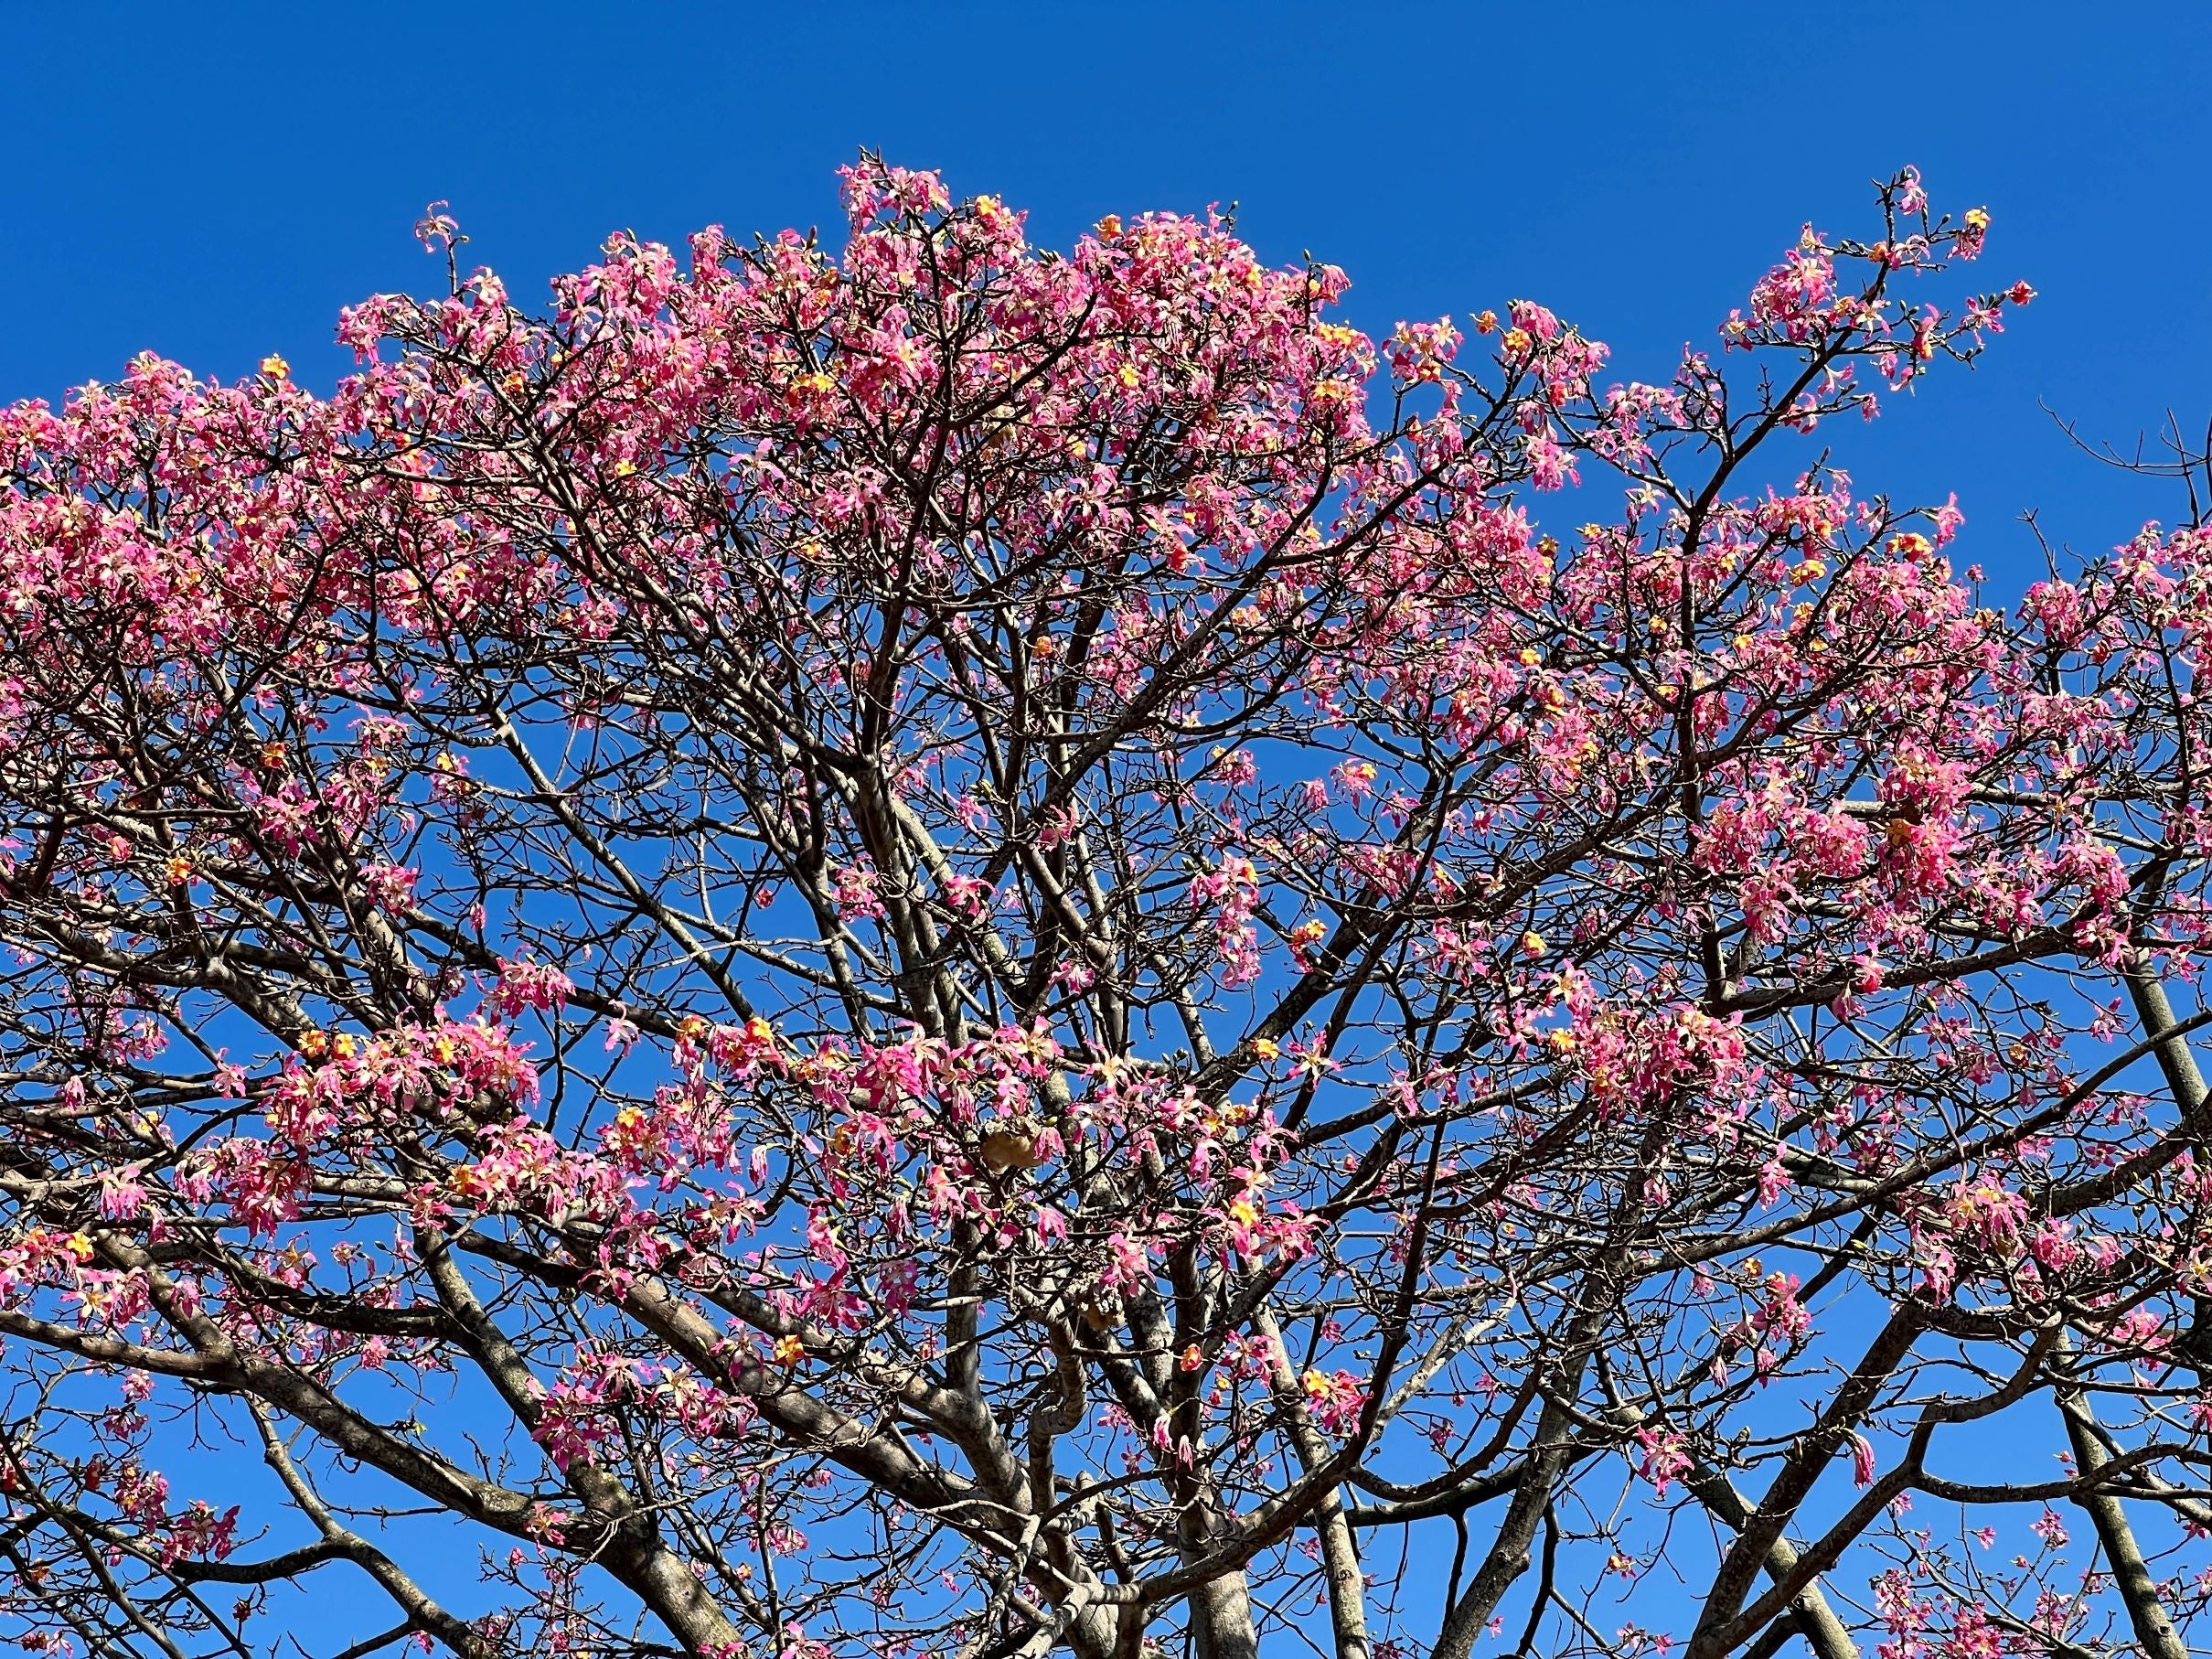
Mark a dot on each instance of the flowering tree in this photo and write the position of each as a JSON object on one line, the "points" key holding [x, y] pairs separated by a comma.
{"points": [[953, 950]]}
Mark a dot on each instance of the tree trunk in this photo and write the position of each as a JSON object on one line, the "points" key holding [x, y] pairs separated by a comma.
{"points": [[1221, 1620]]}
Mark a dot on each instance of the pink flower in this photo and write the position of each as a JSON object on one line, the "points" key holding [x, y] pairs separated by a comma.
{"points": [[854, 893], [1862, 1460], [390, 887], [1664, 1458]]}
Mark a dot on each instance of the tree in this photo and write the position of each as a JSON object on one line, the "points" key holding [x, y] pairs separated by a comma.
{"points": [[954, 951]]}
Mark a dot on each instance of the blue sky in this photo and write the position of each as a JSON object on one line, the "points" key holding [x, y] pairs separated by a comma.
{"points": [[215, 181]]}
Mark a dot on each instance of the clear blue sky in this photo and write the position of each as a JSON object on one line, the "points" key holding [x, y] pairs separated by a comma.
{"points": [[215, 181]]}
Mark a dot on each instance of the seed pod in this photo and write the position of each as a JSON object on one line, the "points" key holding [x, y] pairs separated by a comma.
{"points": [[1013, 1147]]}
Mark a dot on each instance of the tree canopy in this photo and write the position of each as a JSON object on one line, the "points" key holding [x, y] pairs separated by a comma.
{"points": [[944, 949]]}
